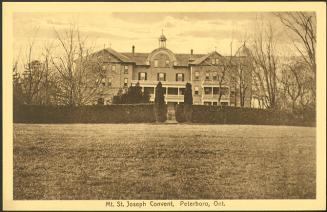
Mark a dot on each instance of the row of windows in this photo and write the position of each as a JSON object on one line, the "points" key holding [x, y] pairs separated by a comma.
{"points": [[179, 77], [215, 103], [208, 76], [109, 82], [168, 90], [156, 63], [174, 91], [113, 68], [211, 90]]}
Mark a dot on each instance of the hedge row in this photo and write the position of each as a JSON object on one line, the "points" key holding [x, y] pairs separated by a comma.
{"points": [[85, 114], [235, 115], [144, 113]]}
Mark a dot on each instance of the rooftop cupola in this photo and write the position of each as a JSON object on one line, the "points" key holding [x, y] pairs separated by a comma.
{"points": [[162, 40]]}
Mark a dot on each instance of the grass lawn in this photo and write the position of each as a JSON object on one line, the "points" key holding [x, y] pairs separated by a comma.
{"points": [[148, 161]]}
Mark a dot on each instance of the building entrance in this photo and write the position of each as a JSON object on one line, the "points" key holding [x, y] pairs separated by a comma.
{"points": [[171, 114]]}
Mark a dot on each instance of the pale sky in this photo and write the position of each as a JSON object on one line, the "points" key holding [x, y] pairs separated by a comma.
{"points": [[202, 32]]}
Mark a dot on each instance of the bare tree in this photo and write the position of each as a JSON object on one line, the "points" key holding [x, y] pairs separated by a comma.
{"points": [[303, 25], [293, 82], [81, 73], [32, 81], [265, 61], [242, 72]]}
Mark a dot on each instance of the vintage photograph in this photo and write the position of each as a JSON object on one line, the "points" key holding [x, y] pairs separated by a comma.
{"points": [[164, 105]]}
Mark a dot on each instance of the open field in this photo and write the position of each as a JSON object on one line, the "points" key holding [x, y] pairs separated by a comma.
{"points": [[148, 161]]}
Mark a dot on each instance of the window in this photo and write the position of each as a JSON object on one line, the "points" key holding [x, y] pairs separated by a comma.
{"points": [[224, 103], [103, 82], [207, 76], [196, 90], [104, 67], [109, 82], [207, 103], [167, 63], [125, 69], [207, 90], [217, 61], [113, 67], [213, 61], [172, 91], [215, 103], [214, 76], [216, 90], [126, 82], [161, 77], [142, 75], [180, 77], [155, 63], [196, 75]]}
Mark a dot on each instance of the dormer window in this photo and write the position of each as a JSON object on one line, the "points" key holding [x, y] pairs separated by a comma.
{"points": [[155, 63], [213, 61], [217, 60], [113, 67]]}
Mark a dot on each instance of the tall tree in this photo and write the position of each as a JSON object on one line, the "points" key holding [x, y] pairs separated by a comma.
{"points": [[295, 85], [159, 103], [303, 26], [265, 59], [188, 102], [81, 74]]}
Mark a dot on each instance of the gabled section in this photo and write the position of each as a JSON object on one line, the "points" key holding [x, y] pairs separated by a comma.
{"points": [[108, 54], [119, 56], [202, 59]]}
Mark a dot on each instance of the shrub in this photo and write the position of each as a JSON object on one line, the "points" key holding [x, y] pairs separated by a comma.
{"points": [[134, 95], [84, 114], [160, 109], [188, 101], [237, 115]]}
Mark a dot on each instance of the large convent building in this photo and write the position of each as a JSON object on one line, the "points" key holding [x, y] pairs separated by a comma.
{"points": [[210, 74]]}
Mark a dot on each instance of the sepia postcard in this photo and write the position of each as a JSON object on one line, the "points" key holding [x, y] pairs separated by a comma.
{"points": [[171, 106]]}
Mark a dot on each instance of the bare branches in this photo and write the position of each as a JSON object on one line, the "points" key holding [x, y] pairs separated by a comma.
{"points": [[265, 59], [80, 73], [303, 25]]}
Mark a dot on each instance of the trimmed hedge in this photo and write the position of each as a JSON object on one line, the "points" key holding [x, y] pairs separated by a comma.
{"points": [[144, 113], [237, 115], [137, 113]]}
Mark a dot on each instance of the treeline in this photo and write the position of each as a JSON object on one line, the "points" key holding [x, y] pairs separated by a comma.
{"points": [[76, 77]]}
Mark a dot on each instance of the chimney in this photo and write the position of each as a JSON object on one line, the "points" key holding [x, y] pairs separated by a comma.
{"points": [[133, 49], [191, 51]]}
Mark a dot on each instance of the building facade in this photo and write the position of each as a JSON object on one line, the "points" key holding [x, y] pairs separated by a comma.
{"points": [[215, 79]]}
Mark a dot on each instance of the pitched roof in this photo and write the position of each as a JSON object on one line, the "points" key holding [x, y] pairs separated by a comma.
{"points": [[140, 58], [204, 57], [118, 55]]}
